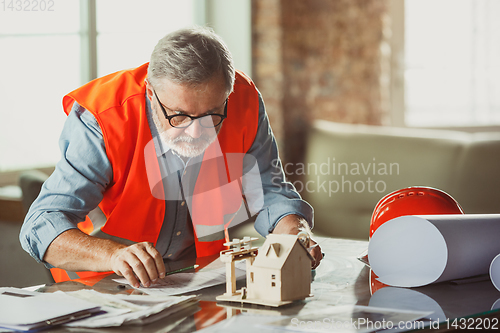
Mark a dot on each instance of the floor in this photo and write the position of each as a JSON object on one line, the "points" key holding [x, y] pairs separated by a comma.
{"points": [[17, 268]]}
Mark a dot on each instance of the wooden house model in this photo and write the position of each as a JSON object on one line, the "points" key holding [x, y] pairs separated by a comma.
{"points": [[279, 274]]}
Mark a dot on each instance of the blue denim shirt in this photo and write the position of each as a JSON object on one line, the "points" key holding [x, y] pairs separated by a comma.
{"points": [[80, 178]]}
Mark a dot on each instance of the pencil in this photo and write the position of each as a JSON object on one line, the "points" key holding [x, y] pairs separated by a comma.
{"points": [[182, 269]]}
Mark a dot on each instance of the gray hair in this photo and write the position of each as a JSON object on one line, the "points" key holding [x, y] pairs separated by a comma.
{"points": [[191, 56]]}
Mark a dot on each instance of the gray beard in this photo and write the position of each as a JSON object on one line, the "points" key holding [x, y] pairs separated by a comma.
{"points": [[192, 147]]}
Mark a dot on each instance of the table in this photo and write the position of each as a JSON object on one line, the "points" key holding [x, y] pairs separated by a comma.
{"points": [[341, 279]]}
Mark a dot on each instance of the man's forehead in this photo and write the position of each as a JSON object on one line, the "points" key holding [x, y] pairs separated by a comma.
{"points": [[191, 99], [166, 83]]}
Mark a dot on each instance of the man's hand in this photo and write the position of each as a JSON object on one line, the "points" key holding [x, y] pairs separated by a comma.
{"points": [[315, 253], [293, 224], [139, 260], [75, 251]]}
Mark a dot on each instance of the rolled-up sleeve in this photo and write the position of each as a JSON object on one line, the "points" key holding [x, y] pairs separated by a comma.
{"points": [[74, 188], [279, 196]]}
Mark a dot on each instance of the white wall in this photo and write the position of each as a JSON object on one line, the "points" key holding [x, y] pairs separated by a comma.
{"points": [[231, 19]]}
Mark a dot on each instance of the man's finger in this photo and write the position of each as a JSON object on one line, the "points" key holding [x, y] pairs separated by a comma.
{"points": [[139, 270], [317, 255], [140, 261], [158, 260], [149, 266], [128, 274]]}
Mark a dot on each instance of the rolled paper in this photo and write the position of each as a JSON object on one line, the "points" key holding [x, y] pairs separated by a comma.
{"points": [[495, 272], [496, 305], [413, 251]]}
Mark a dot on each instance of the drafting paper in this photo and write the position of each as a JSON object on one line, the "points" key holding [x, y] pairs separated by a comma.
{"points": [[181, 283], [413, 251], [25, 310], [129, 309]]}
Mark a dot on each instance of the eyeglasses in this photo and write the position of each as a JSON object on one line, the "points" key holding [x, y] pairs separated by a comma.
{"points": [[183, 120]]}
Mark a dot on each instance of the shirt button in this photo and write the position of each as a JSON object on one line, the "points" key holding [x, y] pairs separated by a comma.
{"points": [[178, 233], [183, 203]]}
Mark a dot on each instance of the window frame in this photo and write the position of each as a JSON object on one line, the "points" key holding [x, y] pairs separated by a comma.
{"points": [[396, 12], [205, 12]]}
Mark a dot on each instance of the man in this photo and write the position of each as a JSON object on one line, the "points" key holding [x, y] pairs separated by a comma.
{"points": [[158, 160]]}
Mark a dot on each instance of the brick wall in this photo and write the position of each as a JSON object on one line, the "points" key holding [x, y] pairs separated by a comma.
{"points": [[320, 59]]}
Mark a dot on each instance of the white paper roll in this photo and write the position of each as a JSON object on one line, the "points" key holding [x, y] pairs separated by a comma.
{"points": [[413, 251], [407, 251], [495, 272], [496, 305]]}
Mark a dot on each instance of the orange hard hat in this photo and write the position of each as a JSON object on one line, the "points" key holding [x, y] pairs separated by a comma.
{"points": [[375, 284], [416, 200]]}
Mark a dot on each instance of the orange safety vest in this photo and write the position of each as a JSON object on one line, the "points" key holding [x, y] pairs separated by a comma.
{"points": [[132, 211]]}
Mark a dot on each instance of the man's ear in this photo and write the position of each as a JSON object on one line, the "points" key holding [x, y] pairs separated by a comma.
{"points": [[149, 90]]}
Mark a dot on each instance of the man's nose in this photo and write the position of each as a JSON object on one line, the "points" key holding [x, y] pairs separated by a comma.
{"points": [[194, 130]]}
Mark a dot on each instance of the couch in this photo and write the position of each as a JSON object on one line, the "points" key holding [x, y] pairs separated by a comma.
{"points": [[349, 168]]}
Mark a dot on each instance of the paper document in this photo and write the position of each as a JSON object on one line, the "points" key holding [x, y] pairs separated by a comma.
{"points": [[24, 310], [123, 309], [181, 283]]}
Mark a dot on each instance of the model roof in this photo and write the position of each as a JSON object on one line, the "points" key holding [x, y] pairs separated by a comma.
{"points": [[276, 249]]}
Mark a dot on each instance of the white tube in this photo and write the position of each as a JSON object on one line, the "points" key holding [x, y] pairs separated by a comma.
{"points": [[413, 251]]}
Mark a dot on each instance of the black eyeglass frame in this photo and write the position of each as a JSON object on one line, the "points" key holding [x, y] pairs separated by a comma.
{"points": [[169, 118]]}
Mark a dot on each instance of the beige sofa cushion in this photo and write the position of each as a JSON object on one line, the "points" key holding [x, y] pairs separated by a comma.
{"points": [[367, 162]]}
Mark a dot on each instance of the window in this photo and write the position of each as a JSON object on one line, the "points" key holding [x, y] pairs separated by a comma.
{"points": [[39, 63], [128, 42], [451, 64], [46, 54]]}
